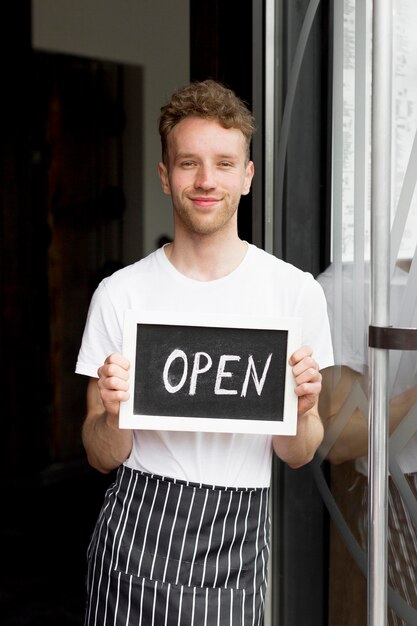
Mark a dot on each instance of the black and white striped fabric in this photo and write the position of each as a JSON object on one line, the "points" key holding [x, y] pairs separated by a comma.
{"points": [[166, 552]]}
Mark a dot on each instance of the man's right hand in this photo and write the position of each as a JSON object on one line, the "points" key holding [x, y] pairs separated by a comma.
{"points": [[106, 444], [113, 382]]}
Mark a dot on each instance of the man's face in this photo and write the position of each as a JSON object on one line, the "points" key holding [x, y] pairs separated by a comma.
{"points": [[206, 174]]}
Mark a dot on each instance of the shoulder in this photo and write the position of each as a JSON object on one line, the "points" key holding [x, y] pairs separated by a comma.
{"points": [[281, 269], [130, 275]]}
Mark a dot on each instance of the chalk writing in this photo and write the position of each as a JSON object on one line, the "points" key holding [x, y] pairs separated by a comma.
{"points": [[198, 369]]}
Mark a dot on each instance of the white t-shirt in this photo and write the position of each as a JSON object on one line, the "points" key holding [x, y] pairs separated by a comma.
{"points": [[260, 285]]}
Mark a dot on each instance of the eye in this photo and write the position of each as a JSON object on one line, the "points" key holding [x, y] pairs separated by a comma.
{"points": [[187, 164], [225, 164]]}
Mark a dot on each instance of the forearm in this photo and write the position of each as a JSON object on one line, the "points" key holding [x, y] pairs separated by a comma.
{"points": [[299, 449], [106, 445]]}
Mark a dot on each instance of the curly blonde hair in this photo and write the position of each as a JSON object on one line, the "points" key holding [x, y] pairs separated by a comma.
{"points": [[207, 99]]}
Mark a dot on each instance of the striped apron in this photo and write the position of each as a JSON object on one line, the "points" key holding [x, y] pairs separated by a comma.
{"points": [[166, 552]]}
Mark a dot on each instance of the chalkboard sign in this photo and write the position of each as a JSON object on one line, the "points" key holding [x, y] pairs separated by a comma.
{"points": [[197, 373]]}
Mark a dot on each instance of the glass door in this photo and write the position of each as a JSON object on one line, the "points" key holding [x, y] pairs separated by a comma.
{"points": [[318, 215], [348, 283]]}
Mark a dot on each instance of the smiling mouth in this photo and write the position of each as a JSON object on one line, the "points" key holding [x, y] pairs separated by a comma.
{"points": [[204, 201]]}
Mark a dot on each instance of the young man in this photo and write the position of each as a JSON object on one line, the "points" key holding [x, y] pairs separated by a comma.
{"points": [[183, 534]]}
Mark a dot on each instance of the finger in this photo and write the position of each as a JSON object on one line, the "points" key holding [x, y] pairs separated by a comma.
{"points": [[118, 359], [308, 389], [116, 364], [306, 364], [301, 353], [310, 375], [111, 396], [112, 370], [113, 383]]}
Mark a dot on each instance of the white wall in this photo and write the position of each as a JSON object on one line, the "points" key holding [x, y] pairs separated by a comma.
{"points": [[153, 34]]}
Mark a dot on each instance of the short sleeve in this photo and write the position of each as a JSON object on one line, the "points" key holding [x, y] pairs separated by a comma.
{"points": [[103, 333], [316, 328]]}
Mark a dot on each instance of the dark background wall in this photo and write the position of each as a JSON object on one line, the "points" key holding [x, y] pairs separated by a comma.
{"points": [[49, 214], [60, 194]]}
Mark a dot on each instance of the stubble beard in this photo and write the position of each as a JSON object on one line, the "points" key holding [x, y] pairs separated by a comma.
{"points": [[194, 224]]}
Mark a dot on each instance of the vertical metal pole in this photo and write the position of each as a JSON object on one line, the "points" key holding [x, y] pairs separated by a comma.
{"points": [[270, 105], [380, 232], [269, 171]]}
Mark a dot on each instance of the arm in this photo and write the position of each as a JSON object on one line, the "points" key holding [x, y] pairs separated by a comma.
{"points": [[352, 442], [107, 446], [299, 449]]}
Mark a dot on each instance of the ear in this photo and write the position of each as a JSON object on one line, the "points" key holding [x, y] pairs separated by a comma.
{"points": [[163, 177], [250, 171]]}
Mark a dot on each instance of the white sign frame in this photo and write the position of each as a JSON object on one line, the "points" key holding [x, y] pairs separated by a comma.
{"points": [[287, 426]]}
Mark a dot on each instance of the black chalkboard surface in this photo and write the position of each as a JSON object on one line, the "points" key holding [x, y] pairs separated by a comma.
{"points": [[207, 374]]}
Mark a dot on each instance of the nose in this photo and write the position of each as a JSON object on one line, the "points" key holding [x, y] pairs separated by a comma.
{"points": [[205, 178]]}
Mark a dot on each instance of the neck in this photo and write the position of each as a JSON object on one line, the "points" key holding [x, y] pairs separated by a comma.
{"points": [[206, 258]]}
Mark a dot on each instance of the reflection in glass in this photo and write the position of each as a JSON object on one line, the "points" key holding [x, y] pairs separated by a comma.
{"points": [[344, 402]]}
